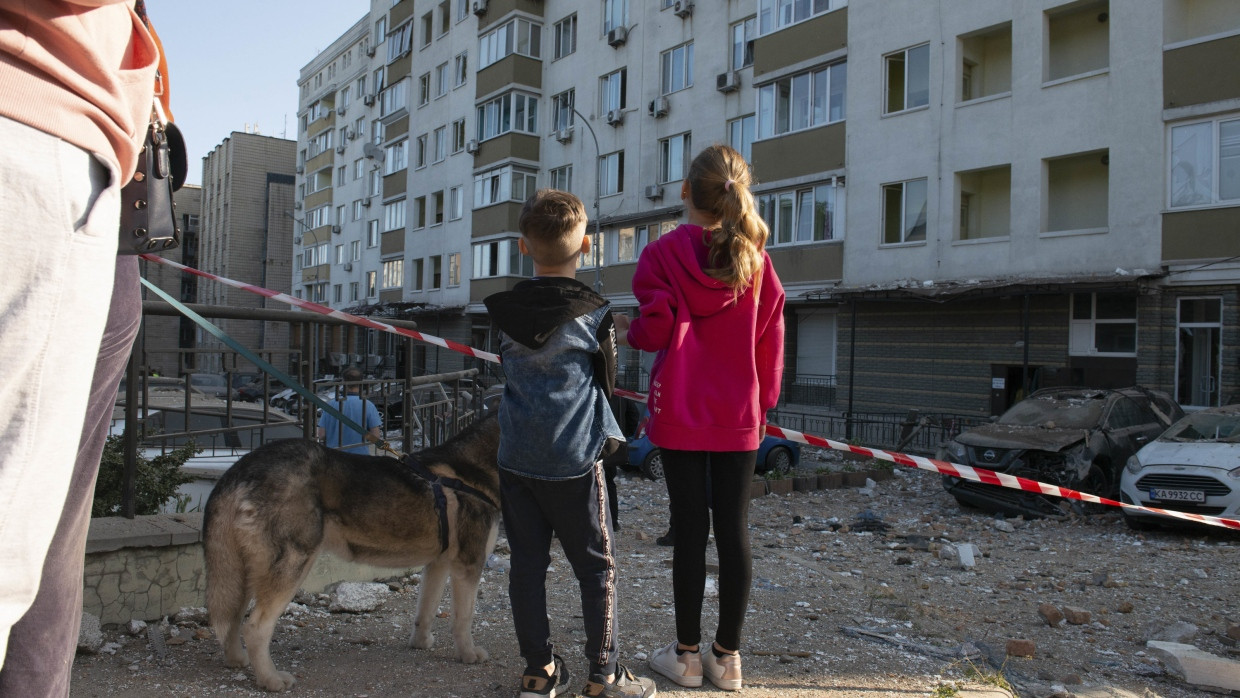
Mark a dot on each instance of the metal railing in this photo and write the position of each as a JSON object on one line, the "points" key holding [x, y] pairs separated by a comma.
{"points": [[910, 432], [809, 389]]}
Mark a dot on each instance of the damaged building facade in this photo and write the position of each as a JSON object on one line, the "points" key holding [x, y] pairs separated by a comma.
{"points": [[968, 200]]}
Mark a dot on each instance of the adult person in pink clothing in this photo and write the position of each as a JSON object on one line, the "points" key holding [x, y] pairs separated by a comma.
{"points": [[77, 80], [712, 308]]}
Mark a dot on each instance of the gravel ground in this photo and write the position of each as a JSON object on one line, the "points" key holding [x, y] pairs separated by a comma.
{"points": [[841, 606]]}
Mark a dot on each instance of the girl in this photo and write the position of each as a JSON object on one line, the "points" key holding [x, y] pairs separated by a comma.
{"points": [[712, 307]]}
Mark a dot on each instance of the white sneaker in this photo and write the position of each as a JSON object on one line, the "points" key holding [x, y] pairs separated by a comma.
{"points": [[684, 669], [724, 672]]}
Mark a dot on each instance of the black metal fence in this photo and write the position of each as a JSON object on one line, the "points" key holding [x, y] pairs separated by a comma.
{"points": [[910, 432]]}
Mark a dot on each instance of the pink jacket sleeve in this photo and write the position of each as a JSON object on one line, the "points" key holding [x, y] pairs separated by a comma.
{"points": [[653, 330], [769, 351]]}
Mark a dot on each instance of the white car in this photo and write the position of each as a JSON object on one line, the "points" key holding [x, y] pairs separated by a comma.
{"points": [[1194, 467]]}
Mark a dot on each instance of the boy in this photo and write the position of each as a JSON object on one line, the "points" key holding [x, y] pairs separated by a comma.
{"points": [[559, 352]]}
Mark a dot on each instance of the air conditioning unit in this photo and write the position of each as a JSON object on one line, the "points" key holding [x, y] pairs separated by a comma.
{"points": [[301, 169], [370, 51], [728, 82], [564, 135], [350, 134], [297, 205], [348, 266], [366, 202], [368, 100], [617, 37], [471, 147], [654, 192], [479, 7], [658, 107], [683, 8], [615, 117], [297, 240], [340, 149], [340, 110], [335, 230]]}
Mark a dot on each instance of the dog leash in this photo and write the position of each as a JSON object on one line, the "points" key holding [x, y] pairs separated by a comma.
{"points": [[438, 483], [267, 367]]}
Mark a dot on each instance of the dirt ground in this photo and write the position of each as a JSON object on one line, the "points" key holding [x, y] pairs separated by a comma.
{"points": [[850, 599]]}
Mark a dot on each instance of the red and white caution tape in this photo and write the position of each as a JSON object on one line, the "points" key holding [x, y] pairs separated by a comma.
{"points": [[988, 477], [324, 310]]}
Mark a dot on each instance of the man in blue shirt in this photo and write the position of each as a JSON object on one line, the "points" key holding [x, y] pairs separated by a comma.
{"points": [[361, 411]]}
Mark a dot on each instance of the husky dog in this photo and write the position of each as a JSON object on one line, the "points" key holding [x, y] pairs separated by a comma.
{"points": [[279, 506]]}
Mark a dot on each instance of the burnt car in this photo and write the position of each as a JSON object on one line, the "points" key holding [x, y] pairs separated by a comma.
{"points": [[1079, 438]]}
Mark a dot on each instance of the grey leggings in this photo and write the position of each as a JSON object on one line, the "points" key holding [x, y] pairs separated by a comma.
{"points": [[694, 496]]}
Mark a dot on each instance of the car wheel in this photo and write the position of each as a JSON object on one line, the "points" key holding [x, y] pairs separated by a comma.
{"points": [[1098, 483], [652, 467], [779, 460]]}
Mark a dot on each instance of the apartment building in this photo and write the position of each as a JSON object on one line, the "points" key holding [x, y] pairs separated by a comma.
{"points": [[245, 232], [164, 337], [1033, 193]]}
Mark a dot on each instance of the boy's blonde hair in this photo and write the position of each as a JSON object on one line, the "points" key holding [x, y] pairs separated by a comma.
{"points": [[551, 222], [719, 183]]}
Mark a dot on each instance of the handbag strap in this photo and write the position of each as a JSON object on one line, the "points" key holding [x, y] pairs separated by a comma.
{"points": [[162, 84]]}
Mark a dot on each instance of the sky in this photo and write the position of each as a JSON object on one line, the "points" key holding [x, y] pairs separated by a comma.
{"points": [[233, 64]]}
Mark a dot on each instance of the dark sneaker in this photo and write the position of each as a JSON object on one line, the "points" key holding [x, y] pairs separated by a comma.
{"points": [[626, 685], [536, 684], [665, 540]]}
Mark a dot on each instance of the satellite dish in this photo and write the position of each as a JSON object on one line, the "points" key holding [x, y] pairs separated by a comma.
{"points": [[372, 151]]}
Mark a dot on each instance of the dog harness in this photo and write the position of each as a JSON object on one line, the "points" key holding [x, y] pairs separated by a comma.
{"points": [[437, 483]]}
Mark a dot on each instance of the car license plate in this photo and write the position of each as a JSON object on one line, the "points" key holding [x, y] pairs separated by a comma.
{"points": [[1166, 495]]}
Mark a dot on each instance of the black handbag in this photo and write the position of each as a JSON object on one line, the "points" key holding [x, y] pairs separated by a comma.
{"points": [[148, 213]]}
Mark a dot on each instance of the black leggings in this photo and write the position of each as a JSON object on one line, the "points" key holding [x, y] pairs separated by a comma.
{"points": [[693, 495]]}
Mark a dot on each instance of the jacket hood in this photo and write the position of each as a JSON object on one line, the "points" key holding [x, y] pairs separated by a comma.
{"points": [[1031, 438], [706, 295], [532, 311]]}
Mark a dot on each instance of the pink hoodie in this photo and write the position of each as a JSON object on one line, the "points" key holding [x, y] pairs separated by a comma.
{"points": [[719, 362]]}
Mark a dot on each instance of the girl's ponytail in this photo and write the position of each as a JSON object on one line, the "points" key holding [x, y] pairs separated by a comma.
{"points": [[719, 182]]}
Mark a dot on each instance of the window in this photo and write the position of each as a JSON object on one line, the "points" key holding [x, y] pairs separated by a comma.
{"points": [[1077, 40], [339, 254], [441, 80], [424, 89], [985, 203], [612, 91], [419, 213], [506, 183], [519, 36], [393, 273], [673, 160], [340, 215], [777, 14], [986, 63], [376, 182], [561, 178], [564, 34], [631, 241], [419, 152], [1103, 324], [611, 173], [396, 157], [615, 14], [458, 135], [741, 135], [392, 100], [908, 79], [445, 17], [454, 269], [440, 143], [1199, 151], [807, 214], [456, 203], [354, 290], [1199, 352], [372, 233], [394, 215], [370, 284], [380, 30], [460, 69], [428, 28], [355, 250], [500, 258], [359, 168], [904, 212], [436, 272], [319, 217], [415, 278], [436, 207], [802, 101], [359, 211], [562, 109], [462, 10], [399, 41], [1077, 193], [742, 43], [340, 175], [515, 111], [676, 69]]}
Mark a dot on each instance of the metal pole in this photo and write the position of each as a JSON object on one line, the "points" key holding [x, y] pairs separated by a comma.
{"points": [[852, 370], [598, 193], [1024, 374]]}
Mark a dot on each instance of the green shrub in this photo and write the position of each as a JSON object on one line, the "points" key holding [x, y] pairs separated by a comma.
{"points": [[155, 482]]}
